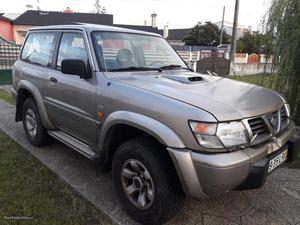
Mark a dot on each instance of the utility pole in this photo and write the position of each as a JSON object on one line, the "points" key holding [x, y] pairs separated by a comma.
{"points": [[234, 31], [222, 26], [38, 5]]}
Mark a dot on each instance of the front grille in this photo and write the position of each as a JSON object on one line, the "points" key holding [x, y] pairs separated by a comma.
{"points": [[284, 118], [273, 120], [261, 128], [258, 126]]}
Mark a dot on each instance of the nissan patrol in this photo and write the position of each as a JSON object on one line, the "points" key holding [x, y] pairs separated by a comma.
{"points": [[126, 100]]}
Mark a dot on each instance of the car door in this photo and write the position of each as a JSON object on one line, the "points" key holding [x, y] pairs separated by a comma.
{"points": [[70, 100], [37, 58]]}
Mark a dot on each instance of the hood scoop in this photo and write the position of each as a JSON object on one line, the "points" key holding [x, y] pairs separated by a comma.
{"points": [[187, 79]]}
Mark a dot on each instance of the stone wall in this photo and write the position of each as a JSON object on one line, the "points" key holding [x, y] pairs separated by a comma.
{"points": [[250, 68]]}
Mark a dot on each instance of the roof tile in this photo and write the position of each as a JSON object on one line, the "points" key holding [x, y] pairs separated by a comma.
{"points": [[43, 18]]}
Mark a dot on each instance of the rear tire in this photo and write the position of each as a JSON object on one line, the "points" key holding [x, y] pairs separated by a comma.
{"points": [[152, 177], [35, 132]]}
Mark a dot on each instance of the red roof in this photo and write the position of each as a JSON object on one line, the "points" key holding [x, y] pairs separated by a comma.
{"points": [[68, 10]]}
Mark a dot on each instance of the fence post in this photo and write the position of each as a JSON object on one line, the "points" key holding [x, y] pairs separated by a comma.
{"points": [[191, 54], [195, 66], [198, 55]]}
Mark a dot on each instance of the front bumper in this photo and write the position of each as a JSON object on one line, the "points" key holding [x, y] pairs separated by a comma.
{"points": [[204, 175]]}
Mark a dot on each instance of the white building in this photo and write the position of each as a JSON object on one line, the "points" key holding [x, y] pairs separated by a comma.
{"points": [[228, 26]]}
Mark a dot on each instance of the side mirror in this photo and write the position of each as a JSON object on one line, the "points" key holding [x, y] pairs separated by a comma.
{"points": [[75, 67]]}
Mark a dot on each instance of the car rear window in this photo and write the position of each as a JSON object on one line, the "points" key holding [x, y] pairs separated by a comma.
{"points": [[38, 48]]}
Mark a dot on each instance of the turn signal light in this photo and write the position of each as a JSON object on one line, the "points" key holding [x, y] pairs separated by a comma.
{"points": [[203, 128]]}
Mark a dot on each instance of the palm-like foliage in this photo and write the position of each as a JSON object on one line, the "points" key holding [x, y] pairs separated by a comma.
{"points": [[282, 25]]}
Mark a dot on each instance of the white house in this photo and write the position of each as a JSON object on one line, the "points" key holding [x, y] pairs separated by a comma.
{"points": [[228, 26]]}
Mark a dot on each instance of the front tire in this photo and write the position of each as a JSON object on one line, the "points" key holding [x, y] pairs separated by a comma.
{"points": [[146, 181], [34, 130]]}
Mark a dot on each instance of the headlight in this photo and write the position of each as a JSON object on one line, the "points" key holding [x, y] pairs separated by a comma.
{"points": [[232, 134], [219, 135]]}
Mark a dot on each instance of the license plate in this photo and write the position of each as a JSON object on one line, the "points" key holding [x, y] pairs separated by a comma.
{"points": [[277, 160]]}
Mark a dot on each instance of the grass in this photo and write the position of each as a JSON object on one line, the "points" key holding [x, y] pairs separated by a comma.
{"points": [[6, 96], [259, 79], [28, 188]]}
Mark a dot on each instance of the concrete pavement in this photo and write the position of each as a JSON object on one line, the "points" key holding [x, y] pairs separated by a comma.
{"points": [[278, 202]]}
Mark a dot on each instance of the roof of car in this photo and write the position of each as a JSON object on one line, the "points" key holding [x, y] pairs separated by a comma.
{"points": [[92, 27]]}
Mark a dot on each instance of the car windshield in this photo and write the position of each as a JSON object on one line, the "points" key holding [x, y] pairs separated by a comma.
{"points": [[118, 51]]}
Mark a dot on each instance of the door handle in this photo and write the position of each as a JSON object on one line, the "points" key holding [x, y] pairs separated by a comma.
{"points": [[53, 79]]}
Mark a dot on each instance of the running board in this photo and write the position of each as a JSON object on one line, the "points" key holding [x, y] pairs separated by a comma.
{"points": [[75, 144]]}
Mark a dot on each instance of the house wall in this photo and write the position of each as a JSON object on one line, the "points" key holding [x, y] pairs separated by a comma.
{"points": [[19, 32], [6, 30], [229, 26], [241, 58]]}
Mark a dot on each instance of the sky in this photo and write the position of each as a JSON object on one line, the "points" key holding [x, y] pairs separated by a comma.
{"points": [[174, 13]]}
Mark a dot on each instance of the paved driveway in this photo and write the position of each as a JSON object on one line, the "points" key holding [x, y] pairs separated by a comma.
{"points": [[278, 202]]}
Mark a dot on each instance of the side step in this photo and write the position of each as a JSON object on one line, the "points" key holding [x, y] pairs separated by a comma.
{"points": [[75, 144]]}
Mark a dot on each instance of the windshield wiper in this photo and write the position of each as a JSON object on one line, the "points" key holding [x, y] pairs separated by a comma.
{"points": [[141, 68], [133, 68], [173, 66]]}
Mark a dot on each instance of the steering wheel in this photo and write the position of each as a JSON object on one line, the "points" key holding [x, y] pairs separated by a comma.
{"points": [[156, 62]]}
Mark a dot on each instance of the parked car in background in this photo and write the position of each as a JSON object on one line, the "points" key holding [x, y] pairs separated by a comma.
{"points": [[127, 101]]}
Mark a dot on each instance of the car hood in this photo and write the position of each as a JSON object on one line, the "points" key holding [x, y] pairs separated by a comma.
{"points": [[226, 99]]}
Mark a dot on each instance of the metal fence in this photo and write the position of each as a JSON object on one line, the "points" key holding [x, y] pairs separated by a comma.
{"points": [[8, 55], [214, 63]]}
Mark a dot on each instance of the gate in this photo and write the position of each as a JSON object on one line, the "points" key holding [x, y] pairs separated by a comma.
{"points": [[8, 55], [215, 64]]}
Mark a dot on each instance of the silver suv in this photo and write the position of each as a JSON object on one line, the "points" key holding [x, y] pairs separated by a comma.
{"points": [[126, 100]]}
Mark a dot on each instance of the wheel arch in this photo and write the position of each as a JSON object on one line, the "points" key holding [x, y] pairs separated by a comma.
{"points": [[138, 123], [27, 89]]}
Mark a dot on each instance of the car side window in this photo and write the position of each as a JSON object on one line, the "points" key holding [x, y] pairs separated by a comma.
{"points": [[71, 47], [39, 48]]}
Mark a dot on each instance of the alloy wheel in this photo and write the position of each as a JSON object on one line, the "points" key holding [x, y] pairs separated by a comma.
{"points": [[137, 184]]}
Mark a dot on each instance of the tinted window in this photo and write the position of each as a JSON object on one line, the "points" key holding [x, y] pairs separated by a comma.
{"points": [[39, 48], [71, 47]]}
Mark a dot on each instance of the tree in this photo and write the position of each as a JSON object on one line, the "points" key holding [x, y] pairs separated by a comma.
{"points": [[207, 34], [252, 43], [98, 8], [282, 27]]}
